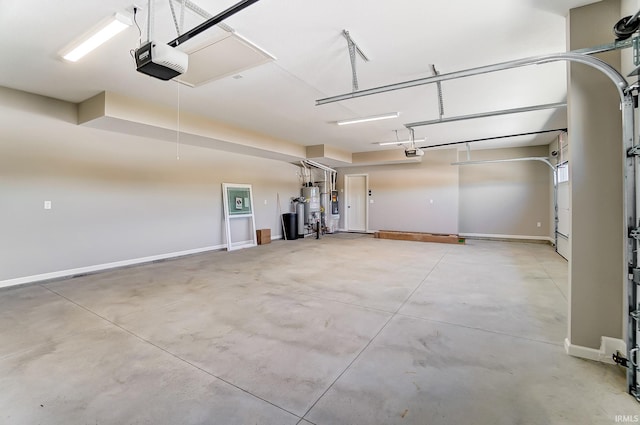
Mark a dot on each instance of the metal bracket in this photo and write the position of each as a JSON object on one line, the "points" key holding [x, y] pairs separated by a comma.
{"points": [[635, 392], [634, 233], [620, 360], [634, 151], [635, 315], [633, 90], [632, 87], [632, 357], [354, 50], [358, 50], [439, 87]]}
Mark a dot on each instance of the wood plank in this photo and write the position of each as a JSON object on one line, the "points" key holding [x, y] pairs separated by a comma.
{"points": [[419, 237]]}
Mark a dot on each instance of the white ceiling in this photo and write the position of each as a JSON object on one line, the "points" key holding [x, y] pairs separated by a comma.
{"points": [[402, 38]]}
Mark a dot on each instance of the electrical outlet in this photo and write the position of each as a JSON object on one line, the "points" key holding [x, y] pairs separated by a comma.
{"points": [[47, 205]]}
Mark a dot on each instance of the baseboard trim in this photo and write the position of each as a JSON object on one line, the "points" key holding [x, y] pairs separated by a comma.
{"points": [[491, 236], [106, 266], [355, 231], [582, 352], [608, 347]]}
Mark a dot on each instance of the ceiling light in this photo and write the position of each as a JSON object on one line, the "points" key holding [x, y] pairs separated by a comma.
{"points": [[400, 142], [370, 118], [94, 38]]}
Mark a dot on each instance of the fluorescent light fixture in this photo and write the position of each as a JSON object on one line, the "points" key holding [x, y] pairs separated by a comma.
{"points": [[401, 142], [97, 36], [370, 118]]}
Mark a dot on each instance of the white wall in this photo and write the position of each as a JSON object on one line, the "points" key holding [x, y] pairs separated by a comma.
{"points": [[118, 197], [402, 194], [507, 198], [115, 197]]}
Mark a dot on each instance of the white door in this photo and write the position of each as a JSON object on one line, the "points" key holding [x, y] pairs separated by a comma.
{"points": [[564, 213], [356, 186]]}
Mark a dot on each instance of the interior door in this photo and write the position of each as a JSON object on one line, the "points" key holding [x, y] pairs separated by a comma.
{"points": [[356, 186]]}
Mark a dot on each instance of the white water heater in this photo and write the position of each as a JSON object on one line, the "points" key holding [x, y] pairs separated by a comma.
{"points": [[311, 204]]}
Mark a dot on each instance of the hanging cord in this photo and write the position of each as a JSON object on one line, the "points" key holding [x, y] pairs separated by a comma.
{"points": [[135, 21], [135, 14], [352, 55]]}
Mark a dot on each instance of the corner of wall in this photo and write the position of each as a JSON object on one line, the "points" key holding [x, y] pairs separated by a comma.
{"points": [[608, 347]]}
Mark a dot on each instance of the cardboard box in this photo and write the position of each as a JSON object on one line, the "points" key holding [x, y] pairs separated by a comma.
{"points": [[264, 236]]}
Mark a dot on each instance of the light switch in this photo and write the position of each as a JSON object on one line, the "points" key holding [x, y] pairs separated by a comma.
{"points": [[47, 205], [539, 224], [371, 201], [265, 202]]}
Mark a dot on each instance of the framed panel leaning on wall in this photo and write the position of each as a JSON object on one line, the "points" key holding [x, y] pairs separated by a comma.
{"points": [[240, 222]]}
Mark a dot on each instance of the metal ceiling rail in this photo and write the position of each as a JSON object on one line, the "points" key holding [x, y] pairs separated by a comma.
{"points": [[616, 45], [490, 161], [604, 67], [211, 22], [488, 114], [492, 138], [203, 13]]}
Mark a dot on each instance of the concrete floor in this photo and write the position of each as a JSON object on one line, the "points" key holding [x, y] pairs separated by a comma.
{"points": [[344, 330]]}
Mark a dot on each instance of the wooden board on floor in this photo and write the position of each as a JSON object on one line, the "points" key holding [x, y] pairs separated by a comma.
{"points": [[419, 237]]}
